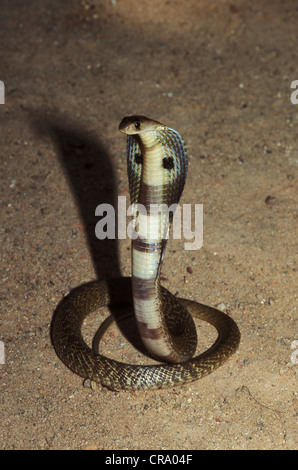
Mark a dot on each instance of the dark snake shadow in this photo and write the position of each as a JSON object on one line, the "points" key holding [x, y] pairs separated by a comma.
{"points": [[90, 175]]}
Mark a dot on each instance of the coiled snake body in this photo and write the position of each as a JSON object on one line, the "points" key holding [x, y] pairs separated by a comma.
{"points": [[157, 167]]}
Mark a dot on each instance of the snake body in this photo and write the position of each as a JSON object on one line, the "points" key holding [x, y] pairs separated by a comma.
{"points": [[157, 168]]}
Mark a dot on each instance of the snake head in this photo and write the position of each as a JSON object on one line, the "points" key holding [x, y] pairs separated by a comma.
{"points": [[132, 125]]}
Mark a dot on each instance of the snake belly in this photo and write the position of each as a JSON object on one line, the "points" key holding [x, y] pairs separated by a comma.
{"points": [[157, 168]]}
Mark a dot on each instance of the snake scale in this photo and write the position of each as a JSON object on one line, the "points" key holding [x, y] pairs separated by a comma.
{"points": [[157, 168]]}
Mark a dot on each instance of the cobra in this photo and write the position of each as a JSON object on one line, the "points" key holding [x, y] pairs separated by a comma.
{"points": [[157, 168]]}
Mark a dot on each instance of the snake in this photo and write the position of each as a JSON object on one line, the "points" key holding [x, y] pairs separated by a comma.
{"points": [[157, 165]]}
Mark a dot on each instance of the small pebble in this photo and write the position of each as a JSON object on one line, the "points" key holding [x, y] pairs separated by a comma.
{"points": [[89, 384], [260, 298], [270, 200], [221, 306]]}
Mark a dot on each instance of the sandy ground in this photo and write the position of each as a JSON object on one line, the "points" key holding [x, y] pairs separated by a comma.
{"points": [[218, 72]]}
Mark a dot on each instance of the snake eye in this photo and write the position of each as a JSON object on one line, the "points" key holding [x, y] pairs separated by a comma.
{"points": [[168, 163], [137, 125]]}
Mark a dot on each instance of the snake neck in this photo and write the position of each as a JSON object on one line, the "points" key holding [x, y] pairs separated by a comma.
{"points": [[162, 322]]}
